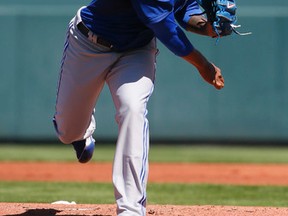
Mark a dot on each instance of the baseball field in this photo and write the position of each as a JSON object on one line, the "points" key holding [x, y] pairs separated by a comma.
{"points": [[184, 180]]}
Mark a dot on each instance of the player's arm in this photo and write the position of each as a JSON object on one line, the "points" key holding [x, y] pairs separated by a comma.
{"points": [[191, 19], [209, 72], [171, 35], [165, 28], [198, 24]]}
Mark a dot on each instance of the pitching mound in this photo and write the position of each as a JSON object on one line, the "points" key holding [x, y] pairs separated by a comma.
{"points": [[24, 209]]}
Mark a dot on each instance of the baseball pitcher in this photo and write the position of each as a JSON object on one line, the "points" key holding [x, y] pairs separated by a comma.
{"points": [[113, 42]]}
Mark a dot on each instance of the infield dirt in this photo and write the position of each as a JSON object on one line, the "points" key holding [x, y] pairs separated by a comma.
{"points": [[243, 174]]}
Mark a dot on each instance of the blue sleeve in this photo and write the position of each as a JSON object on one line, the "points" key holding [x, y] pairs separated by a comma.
{"points": [[159, 17], [151, 11], [183, 15], [172, 36]]}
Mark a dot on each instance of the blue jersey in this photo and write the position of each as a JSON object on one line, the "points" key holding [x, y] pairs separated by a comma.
{"points": [[129, 24]]}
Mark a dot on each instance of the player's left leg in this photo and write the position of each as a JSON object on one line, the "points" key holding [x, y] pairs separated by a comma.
{"points": [[131, 83], [82, 76]]}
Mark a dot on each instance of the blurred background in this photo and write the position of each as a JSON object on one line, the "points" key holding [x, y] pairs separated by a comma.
{"points": [[253, 106]]}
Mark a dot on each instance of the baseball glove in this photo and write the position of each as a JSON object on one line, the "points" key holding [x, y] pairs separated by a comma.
{"points": [[222, 16]]}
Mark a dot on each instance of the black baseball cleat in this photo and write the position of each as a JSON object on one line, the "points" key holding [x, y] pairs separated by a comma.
{"points": [[84, 149]]}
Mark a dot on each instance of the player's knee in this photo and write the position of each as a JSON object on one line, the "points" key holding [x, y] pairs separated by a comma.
{"points": [[131, 111], [63, 136], [65, 139]]}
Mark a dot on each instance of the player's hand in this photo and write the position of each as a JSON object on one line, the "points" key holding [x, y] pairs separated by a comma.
{"points": [[209, 72], [199, 25], [219, 79], [212, 75]]}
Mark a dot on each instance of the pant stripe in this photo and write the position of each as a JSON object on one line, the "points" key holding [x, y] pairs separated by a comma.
{"points": [[66, 45], [143, 174], [145, 143]]}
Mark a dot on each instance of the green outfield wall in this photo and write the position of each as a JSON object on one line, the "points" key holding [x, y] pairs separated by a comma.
{"points": [[252, 106]]}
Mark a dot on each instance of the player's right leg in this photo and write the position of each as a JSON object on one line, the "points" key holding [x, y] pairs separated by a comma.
{"points": [[131, 82]]}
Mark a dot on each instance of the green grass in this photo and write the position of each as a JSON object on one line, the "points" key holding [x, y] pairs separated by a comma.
{"points": [[218, 154], [176, 194], [49, 152], [47, 192], [205, 194], [180, 194], [158, 153]]}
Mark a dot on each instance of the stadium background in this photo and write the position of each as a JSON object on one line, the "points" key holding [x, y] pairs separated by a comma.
{"points": [[252, 106]]}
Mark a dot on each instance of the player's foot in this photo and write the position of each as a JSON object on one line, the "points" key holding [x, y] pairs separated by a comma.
{"points": [[84, 149]]}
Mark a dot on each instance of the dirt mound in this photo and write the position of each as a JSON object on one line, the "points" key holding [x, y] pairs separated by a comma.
{"points": [[25, 209]]}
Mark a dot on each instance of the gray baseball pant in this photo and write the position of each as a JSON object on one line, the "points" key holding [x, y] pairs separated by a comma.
{"points": [[85, 68]]}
